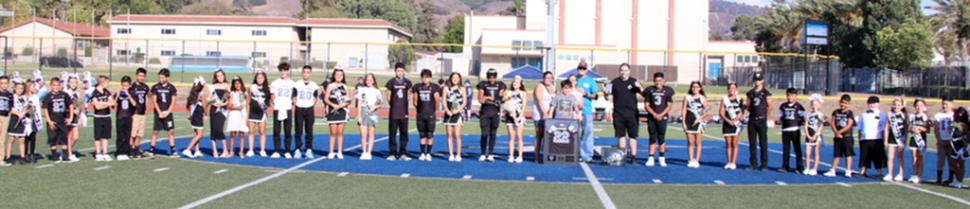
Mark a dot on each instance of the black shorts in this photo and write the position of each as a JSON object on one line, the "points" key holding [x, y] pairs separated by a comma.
{"points": [[626, 126], [164, 124], [872, 154], [843, 147], [426, 125], [102, 128], [57, 134], [658, 130], [124, 127]]}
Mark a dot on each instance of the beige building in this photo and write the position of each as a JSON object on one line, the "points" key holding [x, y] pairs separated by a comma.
{"points": [[352, 43], [665, 35], [45, 36]]}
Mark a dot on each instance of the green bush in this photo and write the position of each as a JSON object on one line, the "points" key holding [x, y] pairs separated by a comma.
{"points": [[27, 51], [284, 59], [154, 60], [61, 52], [7, 52], [88, 51], [331, 64]]}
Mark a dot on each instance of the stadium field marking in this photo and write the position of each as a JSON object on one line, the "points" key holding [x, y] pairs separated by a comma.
{"points": [[843, 184], [102, 168], [781, 183], [139, 143], [600, 191], [466, 177], [160, 169], [719, 182], [45, 166], [405, 175], [530, 178], [267, 178], [342, 174], [959, 200], [657, 181], [220, 171]]}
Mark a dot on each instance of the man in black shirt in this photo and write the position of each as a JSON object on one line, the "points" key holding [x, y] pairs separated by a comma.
{"points": [[139, 91], [126, 109], [792, 115], [6, 102], [758, 111], [623, 92], [101, 100], [426, 98], [164, 93], [398, 92], [489, 95], [57, 107], [658, 100]]}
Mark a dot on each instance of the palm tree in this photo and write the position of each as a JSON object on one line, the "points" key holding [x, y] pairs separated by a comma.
{"points": [[951, 23]]}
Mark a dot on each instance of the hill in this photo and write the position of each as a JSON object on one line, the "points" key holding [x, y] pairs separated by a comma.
{"points": [[722, 14]]}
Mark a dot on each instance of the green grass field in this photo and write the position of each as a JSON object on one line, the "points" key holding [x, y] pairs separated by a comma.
{"points": [[142, 183]]}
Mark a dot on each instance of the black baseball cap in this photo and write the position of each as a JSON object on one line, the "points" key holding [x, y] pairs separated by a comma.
{"points": [[872, 99], [758, 76]]}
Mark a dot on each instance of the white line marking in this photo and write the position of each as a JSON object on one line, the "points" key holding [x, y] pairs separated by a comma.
{"points": [[657, 181], [45, 166], [102, 168], [405, 175], [221, 171], [530, 178], [140, 142], [600, 191], [466, 177], [267, 178], [342, 174], [719, 182], [843, 184], [781, 183], [161, 169]]}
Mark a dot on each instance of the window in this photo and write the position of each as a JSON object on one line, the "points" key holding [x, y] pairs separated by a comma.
{"points": [[123, 52], [259, 32], [213, 53], [168, 53], [527, 45], [538, 45], [259, 54], [516, 44], [560, 57], [168, 31], [740, 59], [124, 30], [754, 59], [211, 32]]}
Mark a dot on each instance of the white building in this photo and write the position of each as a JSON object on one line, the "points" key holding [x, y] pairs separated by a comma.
{"points": [[353, 43], [44, 37]]}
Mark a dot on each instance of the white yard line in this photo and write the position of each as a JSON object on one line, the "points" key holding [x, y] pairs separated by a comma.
{"points": [[600, 191]]}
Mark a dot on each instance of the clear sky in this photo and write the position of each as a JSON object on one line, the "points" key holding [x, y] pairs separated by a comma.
{"points": [[761, 3]]}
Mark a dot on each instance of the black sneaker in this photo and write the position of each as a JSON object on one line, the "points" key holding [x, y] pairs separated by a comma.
{"points": [[782, 170], [750, 168], [764, 169], [634, 161]]}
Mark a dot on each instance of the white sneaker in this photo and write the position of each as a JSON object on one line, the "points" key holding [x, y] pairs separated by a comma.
{"points": [[649, 162], [123, 157], [518, 159], [275, 155], [956, 184], [188, 153], [106, 158], [481, 159], [287, 156], [74, 158], [427, 157], [340, 156], [457, 158], [365, 156], [97, 158], [262, 153], [914, 179], [451, 158], [812, 172], [309, 155], [250, 153], [198, 154], [848, 174], [421, 157], [491, 159], [899, 177], [511, 159], [298, 154], [405, 157], [332, 156], [727, 166], [830, 173], [391, 158], [734, 166], [887, 178], [663, 162]]}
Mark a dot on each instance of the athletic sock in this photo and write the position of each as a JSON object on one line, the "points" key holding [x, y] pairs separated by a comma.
{"points": [[422, 148], [939, 175], [951, 176], [429, 149], [151, 149], [661, 154], [54, 154]]}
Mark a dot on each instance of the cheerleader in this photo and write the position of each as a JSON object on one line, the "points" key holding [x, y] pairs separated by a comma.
{"points": [[218, 100], [896, 141], [693, 110], [336, 98], [236, 125], [33, 101], [730, 111], [919, 125], [454, 104], [514, 118], [813, 134], [196, 117], [21, 124], [369, 100], [75, 99], [258, 100], [958, 146]]}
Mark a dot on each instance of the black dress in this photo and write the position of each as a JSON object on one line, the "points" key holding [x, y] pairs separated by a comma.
{"points": [[217, 116]]}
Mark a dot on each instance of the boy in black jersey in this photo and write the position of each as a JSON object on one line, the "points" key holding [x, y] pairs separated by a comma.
{"points": [[658, 100], [426, 96], [490, 94], [398, 92], [140, 92], [842, 122], [163, 93], [124, 101], [101, 98], [759, 99], [792, 115], [57, 107], [623, 91]]}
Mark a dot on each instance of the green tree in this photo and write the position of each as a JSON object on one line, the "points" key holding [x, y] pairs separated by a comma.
{"points": [[517, 9], [393, 11], [876, 15], [455, 34], [402, 52], [173, 6], [951, 21], [426, 32], [319, 9], [744, 28], [208, 8], [909, 45]]}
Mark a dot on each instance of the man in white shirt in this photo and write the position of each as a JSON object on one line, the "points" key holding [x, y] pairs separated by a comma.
{"points": [[306, 94], [872, 125], [282, 96]]}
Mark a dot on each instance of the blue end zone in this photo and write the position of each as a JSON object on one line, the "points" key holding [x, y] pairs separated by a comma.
{"points": [[711, 170]]}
